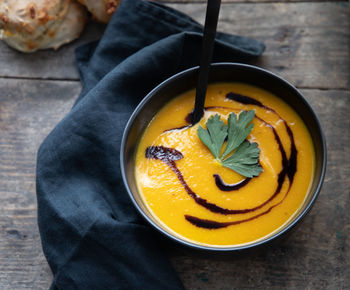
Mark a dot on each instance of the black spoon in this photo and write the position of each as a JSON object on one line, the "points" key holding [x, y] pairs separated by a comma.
{"points": [[211, 21]]}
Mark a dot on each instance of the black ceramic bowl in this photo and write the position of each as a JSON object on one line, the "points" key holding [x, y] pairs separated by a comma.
{"points": [[221, 72]]}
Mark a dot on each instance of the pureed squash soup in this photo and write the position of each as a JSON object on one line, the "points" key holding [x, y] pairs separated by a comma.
{"points": [[196, 198]]}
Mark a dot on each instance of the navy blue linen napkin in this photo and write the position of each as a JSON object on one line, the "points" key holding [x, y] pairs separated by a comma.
{"points": [[91, 234]]}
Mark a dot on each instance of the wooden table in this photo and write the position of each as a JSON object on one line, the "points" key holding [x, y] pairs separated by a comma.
{"points": [[308, 43]]}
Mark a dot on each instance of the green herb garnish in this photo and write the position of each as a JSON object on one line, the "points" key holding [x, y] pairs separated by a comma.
{"points": [[239, 154]]}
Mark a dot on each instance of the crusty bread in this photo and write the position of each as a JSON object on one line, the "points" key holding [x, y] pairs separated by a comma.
{"points": [[29, 25], [101, 10]]}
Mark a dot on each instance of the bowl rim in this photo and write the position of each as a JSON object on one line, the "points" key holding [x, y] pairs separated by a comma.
{"points": [[260, 242]]}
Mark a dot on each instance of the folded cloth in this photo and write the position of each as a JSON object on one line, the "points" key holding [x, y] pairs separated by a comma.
{"points": [[91, 234]]}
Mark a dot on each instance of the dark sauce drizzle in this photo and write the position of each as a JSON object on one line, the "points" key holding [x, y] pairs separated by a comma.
{"points": [[212, 225], [178, 128], [292, 161], [249, 101], [222, 185], [243, 99], [170, 155], [189, 118]]}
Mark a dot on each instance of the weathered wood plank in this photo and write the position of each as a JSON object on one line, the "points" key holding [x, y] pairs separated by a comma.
{"points": [[26, 117], [307, 43], [316, 256]]}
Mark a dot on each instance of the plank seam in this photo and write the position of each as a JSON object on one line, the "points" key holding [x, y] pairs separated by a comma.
{"points": [[78, 80], [252, 2], [322, 89], [40, 79]]}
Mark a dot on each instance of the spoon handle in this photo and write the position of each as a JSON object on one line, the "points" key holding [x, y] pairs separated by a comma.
{"points": [[211, 20]]}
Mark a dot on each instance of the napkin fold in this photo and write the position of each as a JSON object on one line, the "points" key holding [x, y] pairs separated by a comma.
{"points": [[91, 234]]}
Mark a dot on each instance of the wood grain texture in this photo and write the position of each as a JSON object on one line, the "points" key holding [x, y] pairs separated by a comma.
{"points": [[316, 256], [28, 112], [307, 43]]}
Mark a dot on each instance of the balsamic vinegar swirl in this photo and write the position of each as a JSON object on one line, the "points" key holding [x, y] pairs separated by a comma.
{"points": [[289, 165], [168, 156], [223, 186], [292, 161]]}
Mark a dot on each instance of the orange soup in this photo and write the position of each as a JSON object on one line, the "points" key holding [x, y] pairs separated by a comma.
{"points": [[198, 199]]}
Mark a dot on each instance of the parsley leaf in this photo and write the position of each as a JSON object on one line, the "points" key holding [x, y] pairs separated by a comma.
{"points": [[238, 130], [215, 135], [245, 160], [239, 154]]}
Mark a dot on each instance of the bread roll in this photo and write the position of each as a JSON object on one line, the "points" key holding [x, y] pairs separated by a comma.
{"points": [[29, 25], [101, 10]]}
